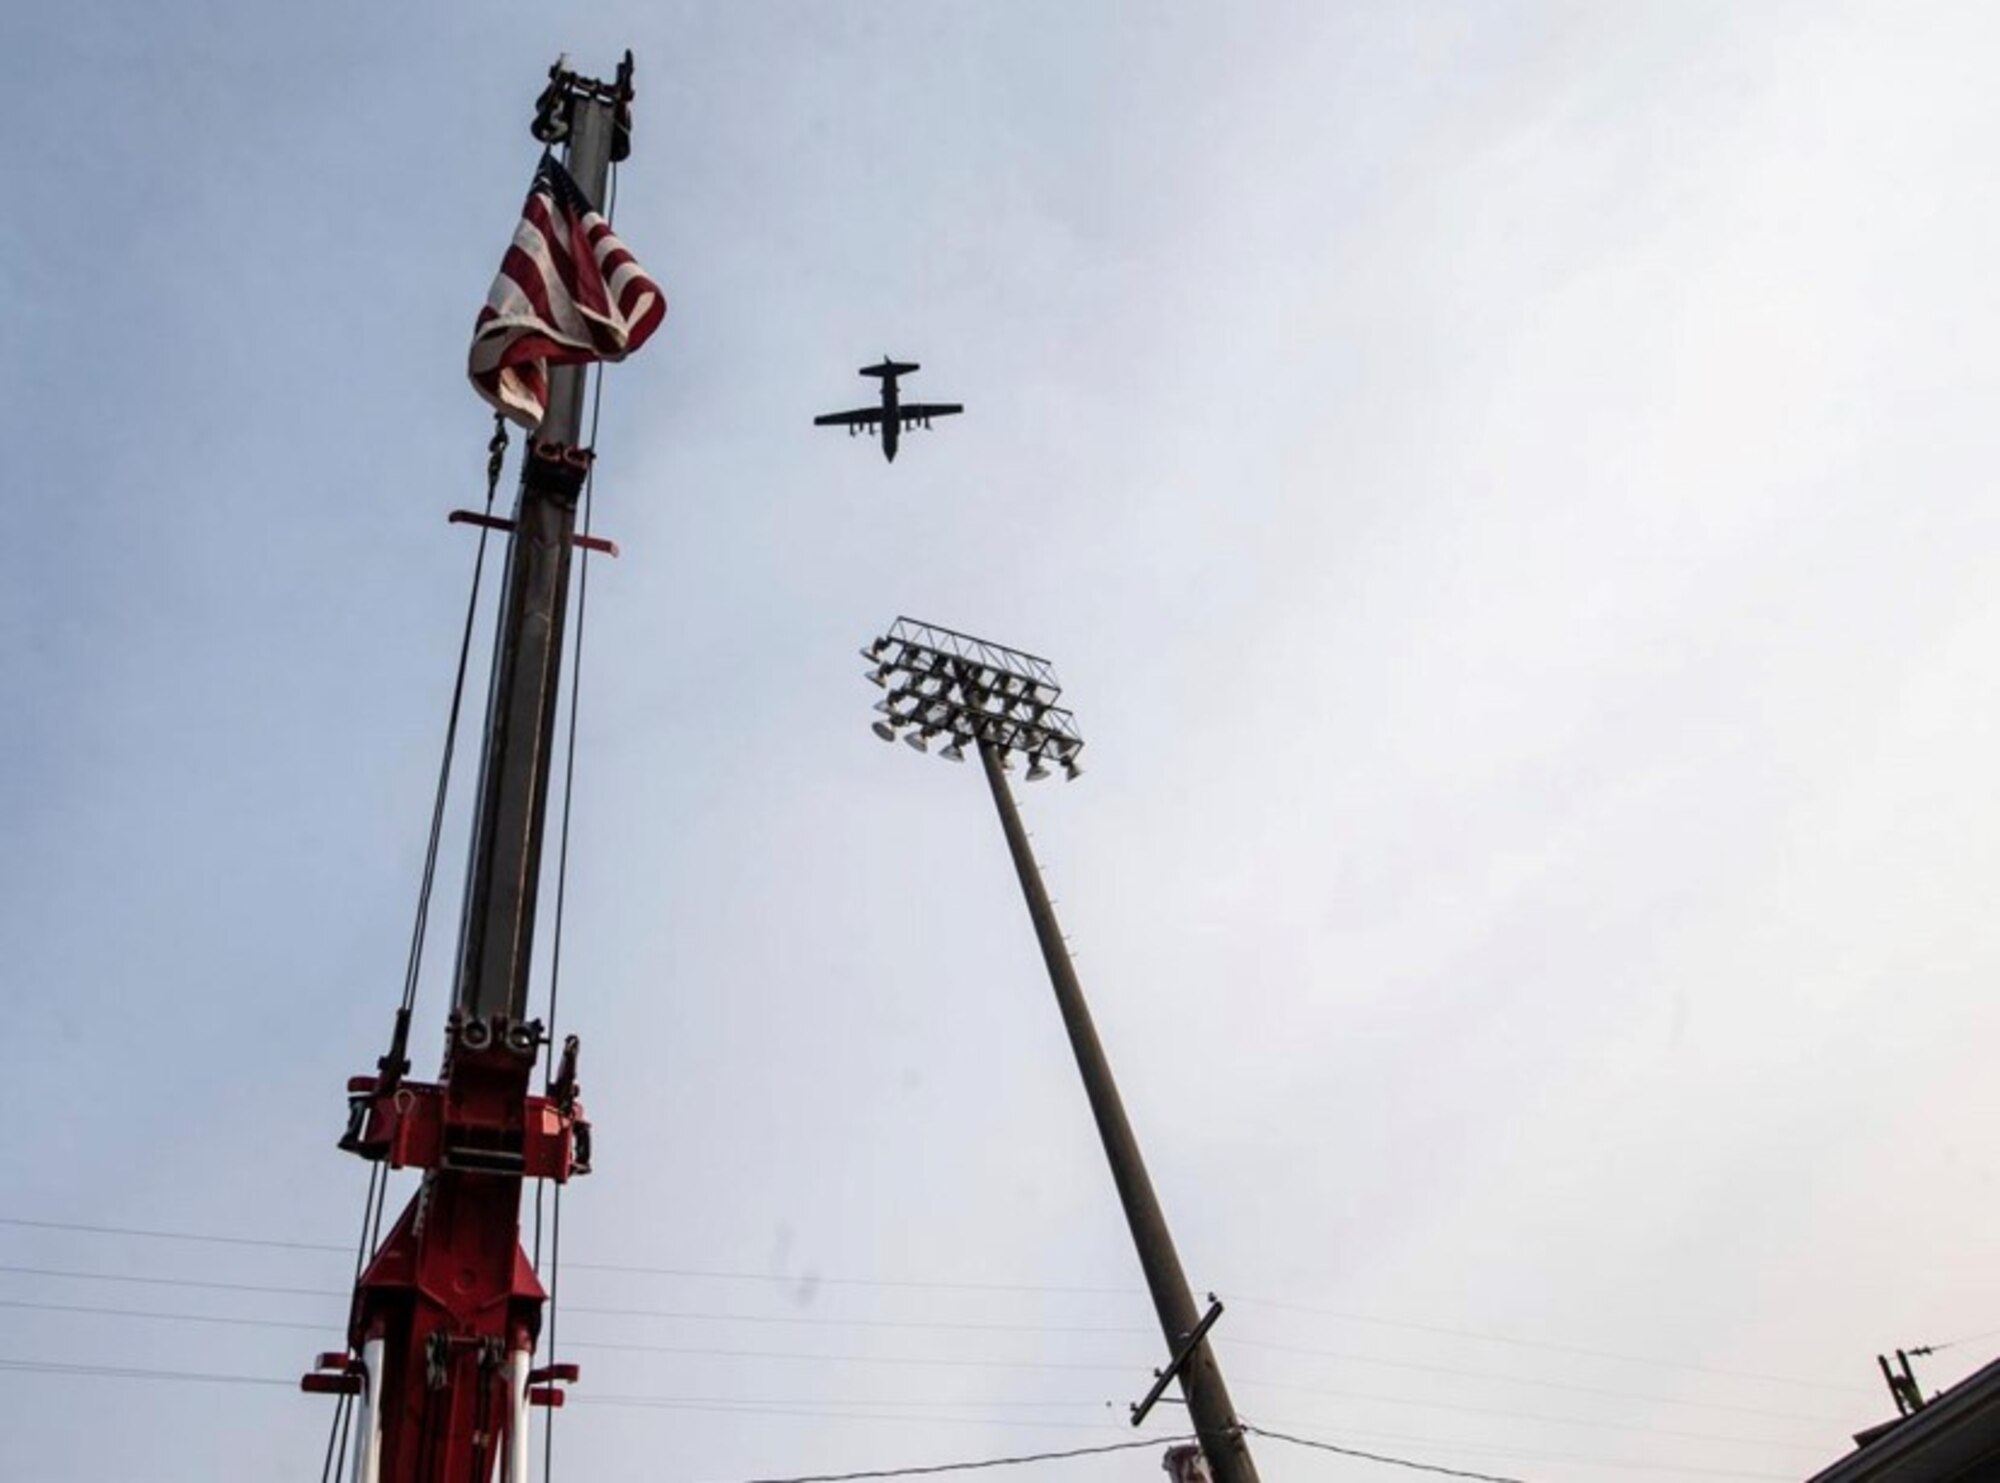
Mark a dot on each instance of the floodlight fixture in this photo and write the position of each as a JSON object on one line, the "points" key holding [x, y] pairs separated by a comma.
{"points": [[972, 691], [1036, 771], [884, 730], [920, 740]]}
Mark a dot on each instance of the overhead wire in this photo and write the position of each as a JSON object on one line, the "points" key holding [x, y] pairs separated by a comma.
{"points": [[816, 1279], [911, 1325], [1239, 1341], [134, 1279], [1954, 1343], [1381, 1457], [133, 1372], [974, 1465], [154, 1235], [705, 1273], [932, 1361], [924, 1285], [1253, 1383], [824, 1411], [1554, 1348], [818, 1321], [789, 1406], [1533, 1454], [225, 1320]]}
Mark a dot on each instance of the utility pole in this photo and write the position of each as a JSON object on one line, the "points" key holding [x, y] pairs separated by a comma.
{"points": [[939, 683], [448, 1309]]}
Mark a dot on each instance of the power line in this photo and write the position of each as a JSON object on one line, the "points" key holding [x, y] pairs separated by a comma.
{"points": [[253, 1323], [724, 1407], [966, 1467], [630, 1269], [1511, 1415], [838, 1406], [1954, 1343], [688, 1350], [300, 1292], [1235, 1340], [816, 1279], [1541, 1455], [1039, 1457], [933, 1363], [719, 1274], [860, 1323], [897, 1361], [1576, 1349], [696, 1351], [1394, 1462], [122, 1372], [928, 1362], [920, 1362], [152, 1235], [758, 1318], [824, 1411], [126, 1372]]}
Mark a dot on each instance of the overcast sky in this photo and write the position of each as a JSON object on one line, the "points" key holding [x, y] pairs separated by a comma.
{"points": [[1508, 489]]}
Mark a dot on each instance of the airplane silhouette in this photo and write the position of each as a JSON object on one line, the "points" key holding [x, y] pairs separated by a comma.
{"points": [[893, 415]]}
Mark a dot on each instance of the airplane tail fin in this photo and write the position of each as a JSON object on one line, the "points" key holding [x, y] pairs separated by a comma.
{"points": [[890, 368]]}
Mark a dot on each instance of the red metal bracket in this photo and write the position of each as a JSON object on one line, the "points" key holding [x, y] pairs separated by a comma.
{"points": [[495, 522], [330, 1384], [336, 1374], [419, 1126], [542, 1384]]}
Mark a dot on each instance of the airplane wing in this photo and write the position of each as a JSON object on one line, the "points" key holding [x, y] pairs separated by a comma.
{"points": [[924, 411], [860, 417]]}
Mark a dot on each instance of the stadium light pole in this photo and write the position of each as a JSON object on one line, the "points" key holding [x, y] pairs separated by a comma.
{"points": [[939, 685]]}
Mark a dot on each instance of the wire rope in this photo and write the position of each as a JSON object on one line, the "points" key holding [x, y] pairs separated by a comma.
{"points": [[376, 1200], [562, 871]]}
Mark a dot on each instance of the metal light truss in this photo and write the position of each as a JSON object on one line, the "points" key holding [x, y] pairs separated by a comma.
{"points": [[937, 682]]}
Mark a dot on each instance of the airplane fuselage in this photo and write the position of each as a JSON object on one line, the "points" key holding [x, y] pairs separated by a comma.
{"points": [[892, 423]]}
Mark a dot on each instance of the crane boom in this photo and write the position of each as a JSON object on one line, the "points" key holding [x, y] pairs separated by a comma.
{"points": [[448, 1309]]}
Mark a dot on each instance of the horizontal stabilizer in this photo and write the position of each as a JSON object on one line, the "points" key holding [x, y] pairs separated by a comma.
{"points": [[890, 368]]}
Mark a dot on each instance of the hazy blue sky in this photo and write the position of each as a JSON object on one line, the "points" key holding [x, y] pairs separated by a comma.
{"points": [[1509, 489]]}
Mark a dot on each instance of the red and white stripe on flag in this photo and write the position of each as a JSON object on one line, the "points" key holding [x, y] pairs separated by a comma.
{"points": [[569, 292]]}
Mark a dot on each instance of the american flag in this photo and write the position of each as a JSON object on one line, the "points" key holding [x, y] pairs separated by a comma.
{"points": [[568, 292]]}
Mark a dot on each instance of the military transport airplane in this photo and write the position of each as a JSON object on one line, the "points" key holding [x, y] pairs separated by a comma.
{"points": [[893, 415]]}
